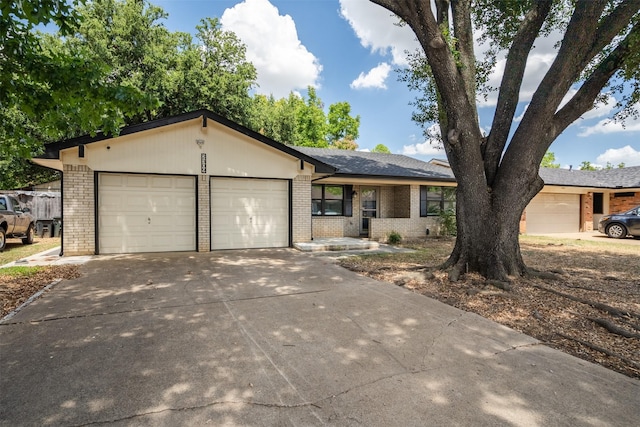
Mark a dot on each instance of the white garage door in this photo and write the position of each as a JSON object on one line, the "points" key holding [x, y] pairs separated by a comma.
{"points": [[249, 213], [146, 213], [554, 213]]}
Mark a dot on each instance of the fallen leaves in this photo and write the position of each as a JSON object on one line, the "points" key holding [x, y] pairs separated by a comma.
{"points": [[558, 309], [15, 289]]}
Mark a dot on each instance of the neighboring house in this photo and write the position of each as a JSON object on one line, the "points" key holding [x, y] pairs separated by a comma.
{"points": [[575, 200], [199, 182]]}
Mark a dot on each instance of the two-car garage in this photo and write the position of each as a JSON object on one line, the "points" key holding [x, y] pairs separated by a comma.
{"points": [[159, 213]]}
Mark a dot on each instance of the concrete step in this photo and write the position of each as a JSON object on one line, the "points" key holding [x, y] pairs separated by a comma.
{"points": [[336, 244]]}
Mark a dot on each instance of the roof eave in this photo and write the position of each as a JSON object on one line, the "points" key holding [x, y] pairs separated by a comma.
{"points": [[52, 150]]}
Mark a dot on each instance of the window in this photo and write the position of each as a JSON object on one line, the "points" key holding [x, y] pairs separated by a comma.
{"points": [[433, 200], [328, 200], [627, 194], [598, 205]]}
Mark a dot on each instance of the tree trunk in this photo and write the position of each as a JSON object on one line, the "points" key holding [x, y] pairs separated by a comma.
{"points": [[489, 226]]}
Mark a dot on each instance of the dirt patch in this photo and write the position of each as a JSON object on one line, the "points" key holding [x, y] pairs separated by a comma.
{"points": [[589, 306], [15, 289]]}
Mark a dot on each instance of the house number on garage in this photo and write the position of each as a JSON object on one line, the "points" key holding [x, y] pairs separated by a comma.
{"points": [[203, 162]]}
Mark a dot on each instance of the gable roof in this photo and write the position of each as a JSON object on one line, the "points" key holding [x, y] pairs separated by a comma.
{"points": [[353, 164], [52, 150]]}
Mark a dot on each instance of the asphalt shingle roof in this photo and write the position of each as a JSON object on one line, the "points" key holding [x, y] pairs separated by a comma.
{"points": [[610, 178], [361, 163], [354, 163]]}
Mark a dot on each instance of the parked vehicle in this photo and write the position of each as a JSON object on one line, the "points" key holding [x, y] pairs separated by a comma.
{"points": [[15, 222], [619, 226], [44, 206]]}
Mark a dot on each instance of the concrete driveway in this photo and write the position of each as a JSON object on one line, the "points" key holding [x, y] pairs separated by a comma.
{"points": [[278, 337]]}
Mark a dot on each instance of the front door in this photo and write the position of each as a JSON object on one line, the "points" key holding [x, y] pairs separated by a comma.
{"points": [[369, 208]]}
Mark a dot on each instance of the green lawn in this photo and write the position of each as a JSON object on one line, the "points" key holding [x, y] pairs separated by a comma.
{"points": [[15, 250]]}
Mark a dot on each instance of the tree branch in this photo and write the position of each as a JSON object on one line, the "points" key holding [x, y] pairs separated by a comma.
{"points": [[463, 32], [567, 66], [612, 24], [583, 100], [510, 86]]}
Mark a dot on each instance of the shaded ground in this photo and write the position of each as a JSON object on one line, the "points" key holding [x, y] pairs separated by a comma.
{"points": [[590, 308], [17, 284]]}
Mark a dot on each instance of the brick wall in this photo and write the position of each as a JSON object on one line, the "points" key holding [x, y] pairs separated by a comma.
{"points": [[204, 217], [398, 210], [327, 226], [412, 227], [301, 205], [586, 212], [386, 202], [78, 236], [408, 228], [623, 204], [402, 201]]}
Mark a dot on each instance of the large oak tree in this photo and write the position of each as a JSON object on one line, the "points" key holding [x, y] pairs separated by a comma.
{"points": [[497, 174]]}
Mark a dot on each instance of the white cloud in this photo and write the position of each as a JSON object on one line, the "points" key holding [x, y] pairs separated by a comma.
{"points": [[538, 63], [601, 109], [377, 29], [627, 155], [609, 126], [431, 147], [283, 63], [427, 148], [375, 78]]}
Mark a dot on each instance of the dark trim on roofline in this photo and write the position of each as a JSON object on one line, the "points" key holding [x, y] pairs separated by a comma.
{"points": [[404, 178], [589, 186], [52, 150]]}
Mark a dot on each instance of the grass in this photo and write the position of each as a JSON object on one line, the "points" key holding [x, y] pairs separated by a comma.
{"points": [[15, 250], [19, 271]]}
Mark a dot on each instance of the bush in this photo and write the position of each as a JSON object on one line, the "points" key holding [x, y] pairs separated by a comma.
{"points": [[448, 222], [394, 238]]}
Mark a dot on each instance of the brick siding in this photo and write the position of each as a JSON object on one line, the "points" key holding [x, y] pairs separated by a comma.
{"points": [[78, 236], [204, 215], [301, 205], [623, 204], [398, 210], [586, 212]]}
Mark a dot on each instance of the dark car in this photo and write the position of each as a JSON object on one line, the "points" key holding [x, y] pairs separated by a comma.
{"points": [[621, 225]]}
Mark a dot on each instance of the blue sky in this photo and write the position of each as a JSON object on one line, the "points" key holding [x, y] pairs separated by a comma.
{"points": [[349, 49]]}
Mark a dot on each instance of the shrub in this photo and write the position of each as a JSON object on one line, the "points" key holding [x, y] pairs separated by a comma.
{"points": [[394, 238], [448, 222]]}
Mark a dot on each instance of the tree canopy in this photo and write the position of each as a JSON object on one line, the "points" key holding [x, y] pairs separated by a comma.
{"points": [[112, 63], [381, 148], [497, 173], [549, 161]]}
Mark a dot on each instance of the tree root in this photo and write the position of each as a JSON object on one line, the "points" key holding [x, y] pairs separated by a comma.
{"points": [[600, 349], [611, 327], [633, 325], [604, 307], [543, 274]]}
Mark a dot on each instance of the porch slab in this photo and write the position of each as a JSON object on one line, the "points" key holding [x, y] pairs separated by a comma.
{"points": [[336, 244]]}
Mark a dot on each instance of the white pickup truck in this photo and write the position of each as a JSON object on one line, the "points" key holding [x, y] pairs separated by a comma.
{"points": [[15, 222]]}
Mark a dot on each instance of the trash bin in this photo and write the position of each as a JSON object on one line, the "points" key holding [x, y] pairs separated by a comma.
{"points": [[56, 225]]}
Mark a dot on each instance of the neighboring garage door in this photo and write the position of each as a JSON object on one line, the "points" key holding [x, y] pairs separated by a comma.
{"points": [[146, 213], [249, 213], [554, 213]]}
